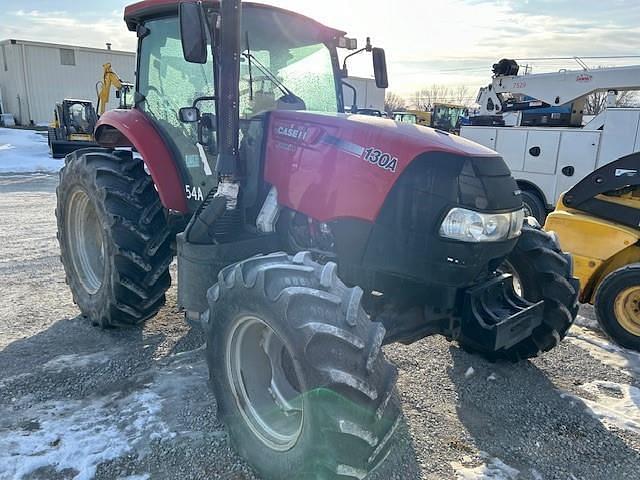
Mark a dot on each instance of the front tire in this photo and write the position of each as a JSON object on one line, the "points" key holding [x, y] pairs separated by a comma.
{"points": [[541, 272], [297, 370], [617, 306], [113, 235]]}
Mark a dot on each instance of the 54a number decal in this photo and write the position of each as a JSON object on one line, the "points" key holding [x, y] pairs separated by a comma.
{"points": [[194, 193], [380, 159]]}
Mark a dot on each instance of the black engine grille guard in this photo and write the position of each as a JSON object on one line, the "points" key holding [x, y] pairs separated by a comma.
{"points": [[494, 317]]}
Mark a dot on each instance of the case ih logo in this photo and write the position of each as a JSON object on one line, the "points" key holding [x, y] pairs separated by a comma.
{"points": [[292, 131], [583, 78]]}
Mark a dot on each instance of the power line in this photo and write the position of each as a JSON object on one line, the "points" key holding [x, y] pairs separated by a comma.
{"points": [[578, 56]]}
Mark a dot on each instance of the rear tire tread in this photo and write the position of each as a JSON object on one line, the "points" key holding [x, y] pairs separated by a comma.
{"points": [[140, 243]]}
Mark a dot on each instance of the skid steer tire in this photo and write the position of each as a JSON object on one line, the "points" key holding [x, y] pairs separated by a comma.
{"points": [[114, 241], [544, 272], [617, 305], [52, 136], [298, 371]]}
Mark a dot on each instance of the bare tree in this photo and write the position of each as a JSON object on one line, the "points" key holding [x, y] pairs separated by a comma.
{"points": [[436, 93], [427, 96], [597, 101], [461, 95], [393, 103]]}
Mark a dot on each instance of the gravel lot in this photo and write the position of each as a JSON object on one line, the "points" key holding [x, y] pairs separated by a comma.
{"points": [[79, 402]]}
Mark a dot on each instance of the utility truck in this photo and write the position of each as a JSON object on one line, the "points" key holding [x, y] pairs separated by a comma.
{"points": [[549, 160]]}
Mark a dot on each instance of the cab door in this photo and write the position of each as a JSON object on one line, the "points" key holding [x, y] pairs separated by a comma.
{"points": [[168, 83]]}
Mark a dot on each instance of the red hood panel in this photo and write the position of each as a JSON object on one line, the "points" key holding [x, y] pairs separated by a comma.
{"points": [[343, 166]]}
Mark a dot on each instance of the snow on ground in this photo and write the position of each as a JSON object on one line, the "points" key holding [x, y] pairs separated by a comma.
{"points": [[583, 321], [81, 434], [613, 404], [26, 151], [605, 350], [492, 469], [64, 362]]}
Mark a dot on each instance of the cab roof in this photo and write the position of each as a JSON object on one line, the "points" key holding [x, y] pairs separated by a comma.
{"points": [[136, 12]]}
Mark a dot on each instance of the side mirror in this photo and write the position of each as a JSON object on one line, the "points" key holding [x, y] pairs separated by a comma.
{"points": [[189, 114], [380, 67], [193, 33]]}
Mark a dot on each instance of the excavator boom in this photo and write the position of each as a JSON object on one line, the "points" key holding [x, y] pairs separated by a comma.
{"points": [[110, 79]]}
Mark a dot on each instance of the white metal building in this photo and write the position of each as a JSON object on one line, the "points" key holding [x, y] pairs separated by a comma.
{"points": [[35, 75]]}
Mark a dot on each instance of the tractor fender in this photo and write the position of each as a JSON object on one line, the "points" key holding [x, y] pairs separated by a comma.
{"points": [[131, 128]]}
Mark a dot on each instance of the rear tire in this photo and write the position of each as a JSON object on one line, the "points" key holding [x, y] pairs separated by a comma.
{"points": [[113, 235], [336, 415], [617, 306], [543, 272]]}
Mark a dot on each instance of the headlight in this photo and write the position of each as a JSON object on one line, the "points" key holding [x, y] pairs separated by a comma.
{"points": [[469, 226]]}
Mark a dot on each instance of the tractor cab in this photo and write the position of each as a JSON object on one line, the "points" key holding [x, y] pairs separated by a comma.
{"points": [[413, 117], [291, 68], [446, 116], [125, 95], [77, 118], [442, 116]]}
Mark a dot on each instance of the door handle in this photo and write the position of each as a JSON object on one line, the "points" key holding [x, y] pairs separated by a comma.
{"points": [[535, 151], [568, 171]]}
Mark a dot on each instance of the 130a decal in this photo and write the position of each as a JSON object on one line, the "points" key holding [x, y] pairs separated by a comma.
{"points": [[380, 159]]}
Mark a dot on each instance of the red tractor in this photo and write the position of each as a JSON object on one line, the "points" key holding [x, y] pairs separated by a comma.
{"points": [[306, 238]]}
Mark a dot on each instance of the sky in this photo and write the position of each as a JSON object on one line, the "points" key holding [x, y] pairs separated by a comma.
{"points": [[452, 42]]}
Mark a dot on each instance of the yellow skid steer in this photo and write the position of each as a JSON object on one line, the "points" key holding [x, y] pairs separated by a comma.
{"points": [[598, 222], [72, 127]]}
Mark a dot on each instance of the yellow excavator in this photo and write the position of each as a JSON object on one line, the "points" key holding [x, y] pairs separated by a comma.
{"points": [[110, 79], [598, 222], [75, 120]]}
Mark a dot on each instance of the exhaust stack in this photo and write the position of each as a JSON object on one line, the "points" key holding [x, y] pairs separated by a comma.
{"points": [[229, 88]]}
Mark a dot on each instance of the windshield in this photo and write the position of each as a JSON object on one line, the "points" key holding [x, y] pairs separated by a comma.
{"points": [[285, 61]]}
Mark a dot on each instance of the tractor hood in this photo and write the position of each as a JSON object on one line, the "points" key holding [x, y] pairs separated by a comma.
{"points": [[343, 166]]}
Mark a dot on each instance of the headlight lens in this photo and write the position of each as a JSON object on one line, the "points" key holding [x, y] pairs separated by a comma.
{"points": [[469, 226]]}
